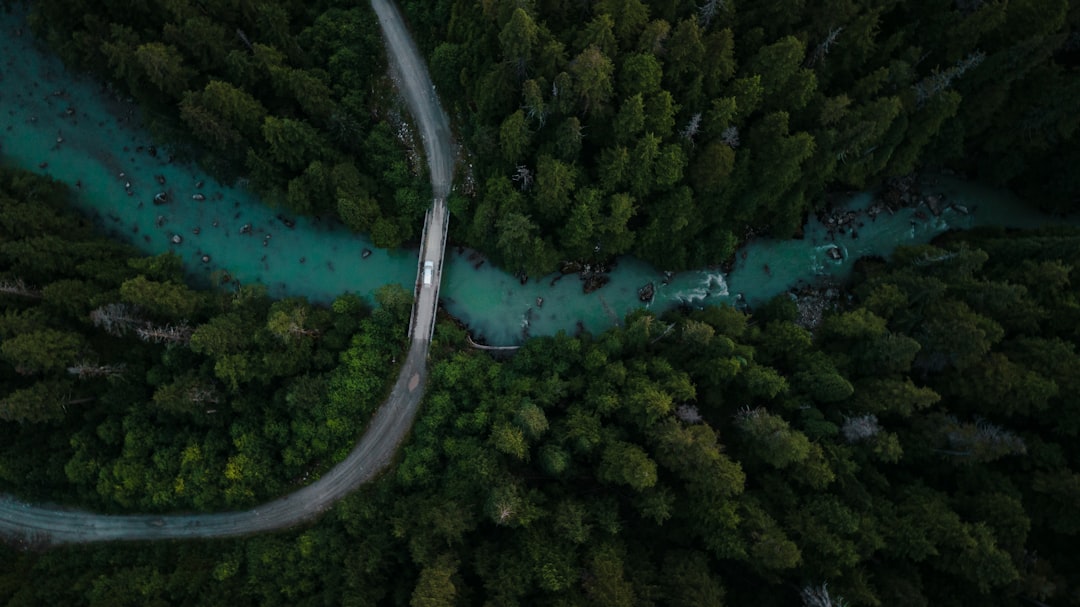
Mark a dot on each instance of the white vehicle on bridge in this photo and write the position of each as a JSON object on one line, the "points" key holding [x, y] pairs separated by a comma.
{"points": [[429, 270]]}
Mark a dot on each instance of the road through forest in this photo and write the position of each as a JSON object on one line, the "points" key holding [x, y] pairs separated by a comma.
{"points": [[39, 524]]}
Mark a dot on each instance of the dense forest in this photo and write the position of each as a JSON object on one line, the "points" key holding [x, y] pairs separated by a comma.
{"points": [[918, 447], [670, 129], [121, 388]]}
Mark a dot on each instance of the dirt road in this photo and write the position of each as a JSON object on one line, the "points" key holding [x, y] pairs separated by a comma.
{"points": [[42, 524], [420, 95]]}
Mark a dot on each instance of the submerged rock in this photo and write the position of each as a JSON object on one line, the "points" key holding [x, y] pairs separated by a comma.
{"points": [[177, 239], [199, 197], [595, 281], [365, 253]]}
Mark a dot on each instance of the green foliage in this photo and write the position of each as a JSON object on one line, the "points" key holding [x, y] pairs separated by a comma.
{"points": [[162, 397], [649, 465], [772, 438], [627, 464], [41, 351], [168, 300], [42, 401], [611, 470]]}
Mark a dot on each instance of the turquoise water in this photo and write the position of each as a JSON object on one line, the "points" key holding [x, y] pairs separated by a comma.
{"points": [[496, 305], [72, 128]]}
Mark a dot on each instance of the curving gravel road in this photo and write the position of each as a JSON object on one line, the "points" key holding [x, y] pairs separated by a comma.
{"points": [[43, 525], [419, 93]]}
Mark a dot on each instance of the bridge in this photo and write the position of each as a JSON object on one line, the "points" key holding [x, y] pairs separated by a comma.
{"points": [[432, 248]]}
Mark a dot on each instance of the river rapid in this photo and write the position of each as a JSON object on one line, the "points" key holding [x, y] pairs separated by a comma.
{"points": [[76, 130]]}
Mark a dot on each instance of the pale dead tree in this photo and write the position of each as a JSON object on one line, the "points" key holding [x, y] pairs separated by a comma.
{"points": [[523, 176], [243, 38], [688, 414], [691, 129], [818, 596], [708, 11], [821, 50], [730, 137], [863, 427], [532, 112], [299, 331], [506, 512], [746, 415], [980, 441], [940, 80], [203, 394], [18, 287], [180, 334], [116, 318], [667, 331], [84, 370]]}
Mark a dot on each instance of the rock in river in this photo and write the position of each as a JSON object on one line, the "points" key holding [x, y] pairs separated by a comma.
{"points": [[646, 293], [594, 282]]}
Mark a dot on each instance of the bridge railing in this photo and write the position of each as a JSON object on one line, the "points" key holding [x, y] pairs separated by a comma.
{"points": [[419, 271], [440, 208]]}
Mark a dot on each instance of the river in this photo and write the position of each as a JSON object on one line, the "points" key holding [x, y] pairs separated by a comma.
{"points": [[73, 128]]}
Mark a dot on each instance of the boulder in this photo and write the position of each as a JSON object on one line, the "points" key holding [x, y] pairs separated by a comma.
{"points": [[646, 293]]}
